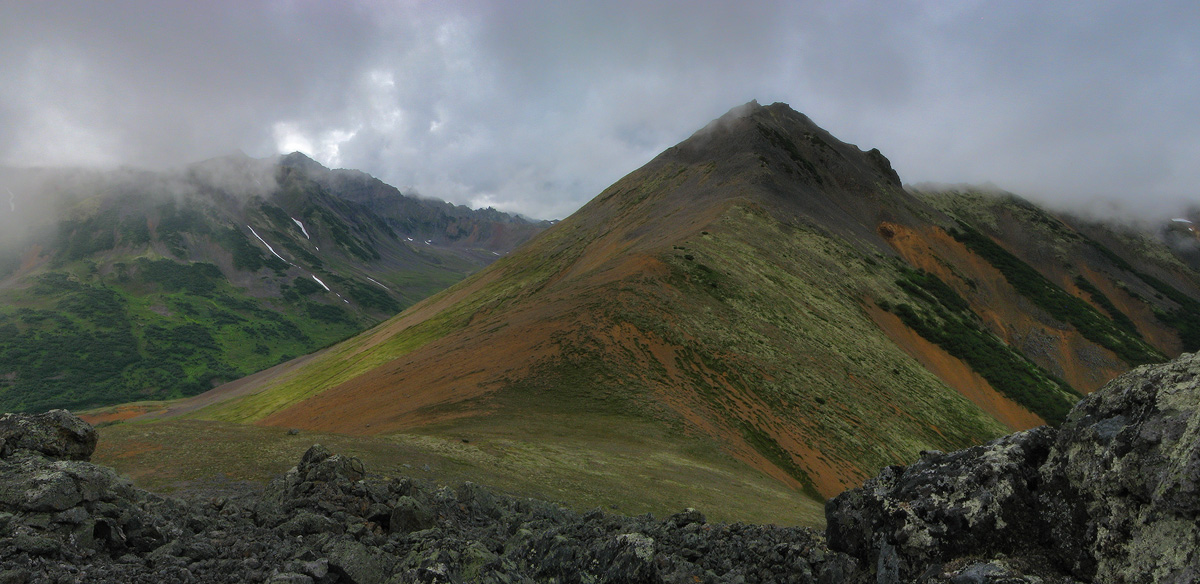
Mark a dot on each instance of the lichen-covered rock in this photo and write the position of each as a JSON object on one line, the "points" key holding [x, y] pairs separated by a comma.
{"points": [[629, 559], [56, 434], [1113, 495], [944, 506], [410, 515], [31, 484], [1122, 484]]}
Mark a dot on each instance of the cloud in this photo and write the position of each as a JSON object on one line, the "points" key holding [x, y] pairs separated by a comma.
{"points": [[537, 106]]}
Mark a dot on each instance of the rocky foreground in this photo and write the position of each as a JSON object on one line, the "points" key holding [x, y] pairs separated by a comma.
{"points": [[1113, 495]]}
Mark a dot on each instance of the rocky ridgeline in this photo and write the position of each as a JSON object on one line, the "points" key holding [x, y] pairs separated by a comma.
{"points": [[1113, 495]]}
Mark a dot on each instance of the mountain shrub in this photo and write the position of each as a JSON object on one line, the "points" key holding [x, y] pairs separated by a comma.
{"points": [[946, 320], [1030, 283]]}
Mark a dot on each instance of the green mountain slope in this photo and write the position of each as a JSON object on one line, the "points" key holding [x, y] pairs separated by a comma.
{"points": [[141, 286]]}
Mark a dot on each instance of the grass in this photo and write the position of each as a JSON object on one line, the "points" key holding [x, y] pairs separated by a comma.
{"points": [[576, 460]]}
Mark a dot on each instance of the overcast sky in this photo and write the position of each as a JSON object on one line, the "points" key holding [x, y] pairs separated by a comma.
{"points": [[536, 107]]}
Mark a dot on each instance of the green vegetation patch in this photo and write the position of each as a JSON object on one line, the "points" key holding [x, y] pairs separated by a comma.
{"points": [[769, 448], [175, 222], [82, 238], [341, 233], [1185, 319], [197, 278], [247, 256], [78, 342], [951, 325], [1127, 345], [371, 297], [1099, 298]]}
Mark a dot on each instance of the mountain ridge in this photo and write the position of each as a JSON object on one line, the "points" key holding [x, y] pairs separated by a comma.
{"points": [[610, 241], [765, 291]]}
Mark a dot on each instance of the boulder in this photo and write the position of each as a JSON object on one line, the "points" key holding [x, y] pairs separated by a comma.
{"points": [[1113, 495], [32, 484], [410, 515], [975, 501], [1122, 483], [56, 434]]}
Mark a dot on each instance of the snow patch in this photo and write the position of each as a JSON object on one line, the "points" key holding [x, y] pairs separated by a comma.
{"points": [[380, 285], [328, 290], [264, 242], [1177, 220], [302, 229]]}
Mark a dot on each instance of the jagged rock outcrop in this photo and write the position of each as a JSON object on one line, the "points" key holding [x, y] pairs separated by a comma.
{"points": [[1122, 483], [945, 506], [1113, 495]]}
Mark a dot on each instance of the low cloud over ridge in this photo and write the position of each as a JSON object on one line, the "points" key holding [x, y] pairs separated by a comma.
{"points": [[536, 107]]}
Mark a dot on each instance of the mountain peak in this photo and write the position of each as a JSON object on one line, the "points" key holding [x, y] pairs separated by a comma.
{"points": [[777, 133], [776, 158], [301, 161]]}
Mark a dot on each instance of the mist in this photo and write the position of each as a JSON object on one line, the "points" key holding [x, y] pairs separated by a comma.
{"points": [[536, 107], [34, 201]]}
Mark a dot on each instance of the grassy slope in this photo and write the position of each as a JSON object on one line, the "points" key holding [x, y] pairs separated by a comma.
{"points": [[640, 470], [830, 380]]}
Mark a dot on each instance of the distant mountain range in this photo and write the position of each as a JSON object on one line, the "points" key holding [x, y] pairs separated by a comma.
{"points": [[129, 285]]}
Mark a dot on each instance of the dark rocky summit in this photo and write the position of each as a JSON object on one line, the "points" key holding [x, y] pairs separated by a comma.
{"points": [[1113, 495]]}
